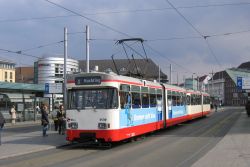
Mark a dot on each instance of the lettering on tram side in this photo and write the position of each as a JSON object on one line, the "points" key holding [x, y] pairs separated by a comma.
{"points": [[143, 117]]}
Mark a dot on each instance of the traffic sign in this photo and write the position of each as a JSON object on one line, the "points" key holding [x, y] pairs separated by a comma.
{"points": [[245, 83], [47, 88], [53, 88]]}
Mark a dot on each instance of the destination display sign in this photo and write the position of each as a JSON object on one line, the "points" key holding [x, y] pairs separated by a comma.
{"points": [[90, 80]]}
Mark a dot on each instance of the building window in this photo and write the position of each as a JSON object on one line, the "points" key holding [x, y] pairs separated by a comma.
{"points": [[56, 70], [6, 75], [10, 80], [11, 75]]}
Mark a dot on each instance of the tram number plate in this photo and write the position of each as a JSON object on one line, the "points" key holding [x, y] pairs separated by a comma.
{"points": [[91, 80]]}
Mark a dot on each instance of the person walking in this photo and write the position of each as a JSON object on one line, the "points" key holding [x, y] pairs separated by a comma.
{"points": [[13, 114], [2, 122], [248, 108], [61, 116], [45, 119]]}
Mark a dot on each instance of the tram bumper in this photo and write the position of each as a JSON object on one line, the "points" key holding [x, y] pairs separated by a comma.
{"points": [[92, 135]]}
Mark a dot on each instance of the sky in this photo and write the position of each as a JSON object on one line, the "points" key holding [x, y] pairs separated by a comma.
{"points": [[195, 36]]}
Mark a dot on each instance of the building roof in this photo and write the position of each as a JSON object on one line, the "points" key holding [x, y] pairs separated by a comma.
{"points": [[234, 73], [219, 75], [245, 65], [22, 86], [148, 69], [5, 61], [202, 78]]}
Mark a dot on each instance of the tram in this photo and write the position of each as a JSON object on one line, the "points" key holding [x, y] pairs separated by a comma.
{"points": [[106, 107]]}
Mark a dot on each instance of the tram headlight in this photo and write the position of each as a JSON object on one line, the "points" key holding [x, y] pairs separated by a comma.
{"points": [[73, 125]]}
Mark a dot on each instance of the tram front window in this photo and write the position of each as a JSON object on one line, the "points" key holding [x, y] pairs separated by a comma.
{"points": [[93, 98]]}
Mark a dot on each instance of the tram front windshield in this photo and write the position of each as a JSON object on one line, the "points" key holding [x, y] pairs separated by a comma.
{"points": [[105, 98]]}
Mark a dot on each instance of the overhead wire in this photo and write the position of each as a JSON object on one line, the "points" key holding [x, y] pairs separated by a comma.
{"points": [[126, 11], [181, 38], [34, 18], [89, 19], [227, 33], [108, 27], [170, 60], [194, 28], [18, 52], [136, 10], [41, 46]]}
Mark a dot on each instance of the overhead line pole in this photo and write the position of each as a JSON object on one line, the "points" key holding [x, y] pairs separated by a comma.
{"points": [[65, 68], [87, 49], [170, 75]]}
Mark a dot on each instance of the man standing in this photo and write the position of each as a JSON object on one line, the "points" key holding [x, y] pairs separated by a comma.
{"points": [[248, 108], [61, 120], [45, 119], [2, 122]]}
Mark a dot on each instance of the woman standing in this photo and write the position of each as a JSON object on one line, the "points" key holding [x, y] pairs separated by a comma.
{"points": [[13, 114], [45, 119]]}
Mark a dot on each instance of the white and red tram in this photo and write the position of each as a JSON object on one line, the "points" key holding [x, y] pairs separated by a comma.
{"points": [[108, 107]]}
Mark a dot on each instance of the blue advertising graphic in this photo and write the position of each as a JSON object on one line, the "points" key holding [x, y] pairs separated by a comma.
{"points": [[177, 111], [138, 116]]}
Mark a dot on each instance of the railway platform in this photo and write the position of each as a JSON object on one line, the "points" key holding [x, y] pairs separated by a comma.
{"points": [[25, 143]]}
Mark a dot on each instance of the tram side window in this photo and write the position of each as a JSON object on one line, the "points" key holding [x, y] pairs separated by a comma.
{"points": [[199, 100], [169, 100], [145, 100], [125, 100], [152, 100], [178, 100], [174, 100], [181, 100], [112, 101], [188, 100], [192, 100], [136, 100]]}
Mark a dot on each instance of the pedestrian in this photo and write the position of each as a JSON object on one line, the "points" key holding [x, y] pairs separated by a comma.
{"points": [[248, 108], [55, 119], [215, 107], [45, 119], [61, 116], [2, 122], [13, 114], [38, 110]]}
